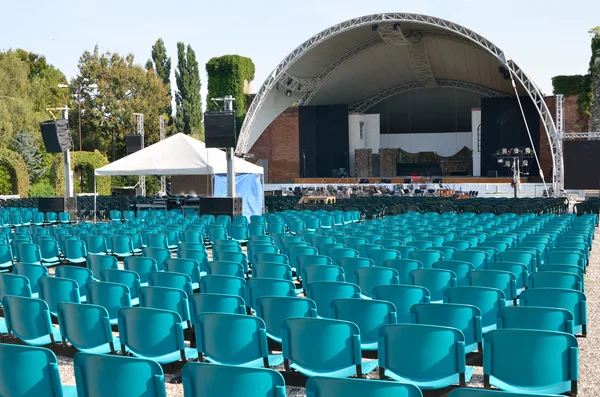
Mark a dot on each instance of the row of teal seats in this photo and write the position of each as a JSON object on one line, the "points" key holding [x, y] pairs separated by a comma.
{"points": [[100, 375]]}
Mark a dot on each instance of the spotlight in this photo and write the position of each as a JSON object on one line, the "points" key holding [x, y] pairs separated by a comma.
{"points": [[500, 161], [527, 150], [288, 93], [290, 82], [396, 26], [504, 151], [507, 163], [525, 163], [374, 28], [505, 72], [516, 150]]}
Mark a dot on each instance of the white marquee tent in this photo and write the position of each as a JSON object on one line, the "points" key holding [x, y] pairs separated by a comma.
{"points": [[183, 155]]}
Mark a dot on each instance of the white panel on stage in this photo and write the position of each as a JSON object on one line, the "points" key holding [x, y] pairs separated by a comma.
{"points": [[476, 146], [370, 138], [444, 144]]}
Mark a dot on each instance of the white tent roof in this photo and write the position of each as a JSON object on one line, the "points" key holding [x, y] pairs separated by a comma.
{"points": [[177, 155]]}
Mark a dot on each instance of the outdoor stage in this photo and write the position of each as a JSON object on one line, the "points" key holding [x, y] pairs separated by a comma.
{"points": [[446, 180]]}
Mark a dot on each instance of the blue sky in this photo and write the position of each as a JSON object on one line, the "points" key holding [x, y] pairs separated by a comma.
{"points": [[545, 37]]}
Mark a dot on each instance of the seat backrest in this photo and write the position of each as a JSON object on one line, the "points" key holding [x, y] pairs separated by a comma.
{"points": [[27, 318], [228, 285], [435, 280], [186, 266], [272, 257], [272, 270], [13, 284], [33, 371], [320, 386], [259, 287], [274, 309], [171, 280], [518, 269], [368, 278], [141, 265], [225, 268], [126, 277], [382, 255], [160, 255], [350, 264], [32, 272], [334, 344], [216, 303], [368, 314], [80, 275], [231, 339], [535, 317], [403, 297], [466, 318], [571, 300], [476, 258], [426, 257], [340, 252], [85, 326], [502, 280], [550, 279], [165, 298], [488, 300], [111, 296], [57, 289], [199, 256], [324, 292], [163, 338], [322, 273], [97, 263], [460, 268], [403, 267], [555, 355], [203, 380]]}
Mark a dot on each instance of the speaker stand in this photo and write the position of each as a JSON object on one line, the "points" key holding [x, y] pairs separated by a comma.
{"points": [[230, 173]]}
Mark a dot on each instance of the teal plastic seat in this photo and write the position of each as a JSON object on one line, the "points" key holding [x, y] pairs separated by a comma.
{"points": [[87, 328], [368, 314], [447, 252], [216, 303], [535, 317], [117, 376], [350, 264], [274, 309], [382, 255], [261, 248], [186, 266], [314, 273], [435, 280], [14, 284], [526, 258], [228, 285], [97, 263], [294, 252], [340, 252], [518, 269], [157, 240], [403, 267], [233, 339], [308, 260], [573, 258], [571, 300], [237, 257], [476, 257], [426, 257], [49, 251], [225, 268], [80, 275], [57, 289], [33, 274], [199, 256], [28, 319], [460, 245], [403, 297], [352, 242], [334, 348], [420, 244], [171, 280], [427, 356], [126, 277], [460, 268], [491, 393], [122, 246], [368, 278], [204, 380], [365, 249], [75, 252], [466, 318], [551, 364], [272, 257], [320, 386], [280, 271], [499, 279], [33, 372], [550, 279], [28, 253], [488, 300], [565, 268], [111, 296], [141, 265], [160, 255], [6, 257], [166, 298], [324, 292], [259, 287]]}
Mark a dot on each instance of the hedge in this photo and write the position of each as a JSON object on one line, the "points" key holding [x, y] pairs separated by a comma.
{"points": [[89, 161], [17, 169]]}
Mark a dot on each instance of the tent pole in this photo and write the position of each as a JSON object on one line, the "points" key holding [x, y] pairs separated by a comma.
{"points": [[262, 178], [94, 197], [230, 173]]}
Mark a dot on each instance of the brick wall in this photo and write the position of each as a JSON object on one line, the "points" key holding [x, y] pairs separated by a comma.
{"points": [[387, 162], [363, 163], [280, 145]]}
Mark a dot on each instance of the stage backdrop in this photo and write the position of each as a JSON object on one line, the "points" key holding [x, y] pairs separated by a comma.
{"points": [[502, 126], [323, 139]]}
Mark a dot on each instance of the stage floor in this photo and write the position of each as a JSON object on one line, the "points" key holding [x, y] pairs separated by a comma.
{"points": [[446, 180]]}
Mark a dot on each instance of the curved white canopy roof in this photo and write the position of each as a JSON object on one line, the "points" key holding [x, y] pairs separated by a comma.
{"points": [[177, 155], [365, 60]]}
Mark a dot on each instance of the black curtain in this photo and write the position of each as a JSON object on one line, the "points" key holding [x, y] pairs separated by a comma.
{"points": [[582, 164], [323, 139], [502, 126]]}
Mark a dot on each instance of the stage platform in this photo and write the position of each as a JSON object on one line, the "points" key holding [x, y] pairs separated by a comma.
{"points": [[446, 180]]}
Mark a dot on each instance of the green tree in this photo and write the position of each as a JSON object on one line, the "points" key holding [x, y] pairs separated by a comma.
{"points": [[187, 96], [24, 143], [124, 88], [161, 64]]}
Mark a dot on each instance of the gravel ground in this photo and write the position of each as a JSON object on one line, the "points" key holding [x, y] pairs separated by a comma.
{"points": [[589, 370]]}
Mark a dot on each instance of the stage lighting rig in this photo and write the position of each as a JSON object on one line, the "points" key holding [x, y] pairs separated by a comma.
{"points": [[518, 160]]}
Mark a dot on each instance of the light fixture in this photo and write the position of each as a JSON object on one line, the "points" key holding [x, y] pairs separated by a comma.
{"points": [[500, 161], [525, 163], [504, 151], [396, 26], [507, 163], [375, 28], [288, 93], [527, 150]]}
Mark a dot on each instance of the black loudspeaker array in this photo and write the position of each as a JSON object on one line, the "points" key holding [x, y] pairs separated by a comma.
{"points": [[219, 129], [134, 143], [56, 135]]}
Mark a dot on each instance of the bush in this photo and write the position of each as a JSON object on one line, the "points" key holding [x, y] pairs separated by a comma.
{"points": [[41, 189], [5, 184]]}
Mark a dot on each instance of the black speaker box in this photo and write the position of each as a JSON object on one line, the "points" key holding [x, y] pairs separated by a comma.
{"points": [[56, 135], [492, 174], [221, 206], [134, 143], [219, 129], [125, 191], [58, 204]]}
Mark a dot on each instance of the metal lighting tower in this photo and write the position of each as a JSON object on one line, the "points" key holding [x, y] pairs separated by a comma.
{"points": [[163, 179], [139, 121]]}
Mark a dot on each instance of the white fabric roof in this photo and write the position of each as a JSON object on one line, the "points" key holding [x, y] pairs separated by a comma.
{"points": [[177, 155]]}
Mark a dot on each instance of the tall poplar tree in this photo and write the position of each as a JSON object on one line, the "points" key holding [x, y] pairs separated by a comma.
{"points": [[187, 96], [161, 64]]}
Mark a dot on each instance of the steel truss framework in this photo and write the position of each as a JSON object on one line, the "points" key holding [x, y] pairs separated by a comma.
{"points": [[161, 131], [139, 121], [369, 20], [362, 106]]}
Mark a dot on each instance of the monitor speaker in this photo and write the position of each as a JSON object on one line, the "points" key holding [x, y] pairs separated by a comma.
{"points": [[58, 204], [56, 135], [134, 143], [219, 129], [221, 206]]}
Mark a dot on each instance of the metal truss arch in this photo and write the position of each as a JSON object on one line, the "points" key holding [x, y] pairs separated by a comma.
{"points": [[425, 20], [364, 105]]}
